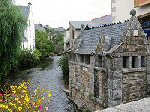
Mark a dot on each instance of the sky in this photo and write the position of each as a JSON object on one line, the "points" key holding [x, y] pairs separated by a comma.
{"points": [[58, 13]]}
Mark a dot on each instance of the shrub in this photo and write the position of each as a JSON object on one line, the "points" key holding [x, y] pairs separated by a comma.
{"points": [[37, 54], [64, 63], [28, 59], [18, 98]]}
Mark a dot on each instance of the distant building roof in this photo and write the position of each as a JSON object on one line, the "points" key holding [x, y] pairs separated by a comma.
{"points": [[107, 19], [25, 10], [39, 27], [59, 29], [77, 24]]}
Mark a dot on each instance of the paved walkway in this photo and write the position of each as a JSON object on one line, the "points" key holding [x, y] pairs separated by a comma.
{"points": [[142, 105]]}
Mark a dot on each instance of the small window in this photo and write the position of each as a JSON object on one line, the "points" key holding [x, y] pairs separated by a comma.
{"points": [[113, 9], [96, 84], [113, 1], [114, 18], [125, 61], [87, 59], [100, 61], [82, 58], [143, 61], [72, 34], [134, 61]]}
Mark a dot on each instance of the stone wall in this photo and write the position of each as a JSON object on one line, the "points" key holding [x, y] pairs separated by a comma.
{"points": [[82, 85], [134, 86], [134, 106]]}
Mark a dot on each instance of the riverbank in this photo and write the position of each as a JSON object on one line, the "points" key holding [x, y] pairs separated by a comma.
{"points": [[50, 78]]}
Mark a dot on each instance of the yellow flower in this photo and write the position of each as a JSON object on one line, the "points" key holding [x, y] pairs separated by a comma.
{"points": [[16, 99], [4, 106], [27, 99], [50, 94], [19, 87], [19, 102], [14, 91], [24, 91], [12, 87], [9, 110], [19, 108]]}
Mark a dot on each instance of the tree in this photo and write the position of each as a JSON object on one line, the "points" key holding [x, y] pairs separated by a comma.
{"points": [[12, 26], [58, 40], [44, 44]]}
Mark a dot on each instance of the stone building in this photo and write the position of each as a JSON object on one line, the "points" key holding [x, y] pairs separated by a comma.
{"points": [[109, 65]]}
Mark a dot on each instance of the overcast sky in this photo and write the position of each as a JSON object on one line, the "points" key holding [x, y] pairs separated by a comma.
{"points": [[57, 13]]}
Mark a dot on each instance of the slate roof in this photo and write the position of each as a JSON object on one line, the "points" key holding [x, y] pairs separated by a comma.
{"points": [[39, 27], [88, 40], [25, 10], [59, 29]]}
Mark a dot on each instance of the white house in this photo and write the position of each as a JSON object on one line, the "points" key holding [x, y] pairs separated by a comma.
{"points": [[120, 11], [28, 41], [66, 39]]}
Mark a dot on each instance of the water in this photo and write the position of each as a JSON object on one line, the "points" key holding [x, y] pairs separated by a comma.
{"points": [[50, 78]]}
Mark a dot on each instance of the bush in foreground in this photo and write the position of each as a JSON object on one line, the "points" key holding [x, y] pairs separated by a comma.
{"points": [[19, 99], [28, 59]]}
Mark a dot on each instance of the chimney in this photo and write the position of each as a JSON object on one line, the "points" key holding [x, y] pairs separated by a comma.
{"points": [[29, 5]]}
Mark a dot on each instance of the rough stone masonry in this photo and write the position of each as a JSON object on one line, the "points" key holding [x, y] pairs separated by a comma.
{"points": [[109, 65]]}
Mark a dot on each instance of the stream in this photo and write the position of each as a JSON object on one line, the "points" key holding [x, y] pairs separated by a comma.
{"points": [[48, 75]]}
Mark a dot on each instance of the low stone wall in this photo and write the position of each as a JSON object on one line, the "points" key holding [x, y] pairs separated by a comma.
{"points": [[142, 105]]}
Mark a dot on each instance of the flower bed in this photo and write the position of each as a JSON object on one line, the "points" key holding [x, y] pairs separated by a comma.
{"points": [[19, 98]]}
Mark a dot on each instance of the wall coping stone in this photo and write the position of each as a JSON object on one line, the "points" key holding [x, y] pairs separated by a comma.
{"points": [[142, 105]]}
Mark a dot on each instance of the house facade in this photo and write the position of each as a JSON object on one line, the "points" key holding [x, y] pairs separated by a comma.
{"points": [[109, 65], [66, 40], [28, 42], [120, 9]]}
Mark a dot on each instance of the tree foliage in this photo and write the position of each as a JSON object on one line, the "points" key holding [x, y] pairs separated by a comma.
{"points": [[44, 44], [58, 40], [12, 25]]}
